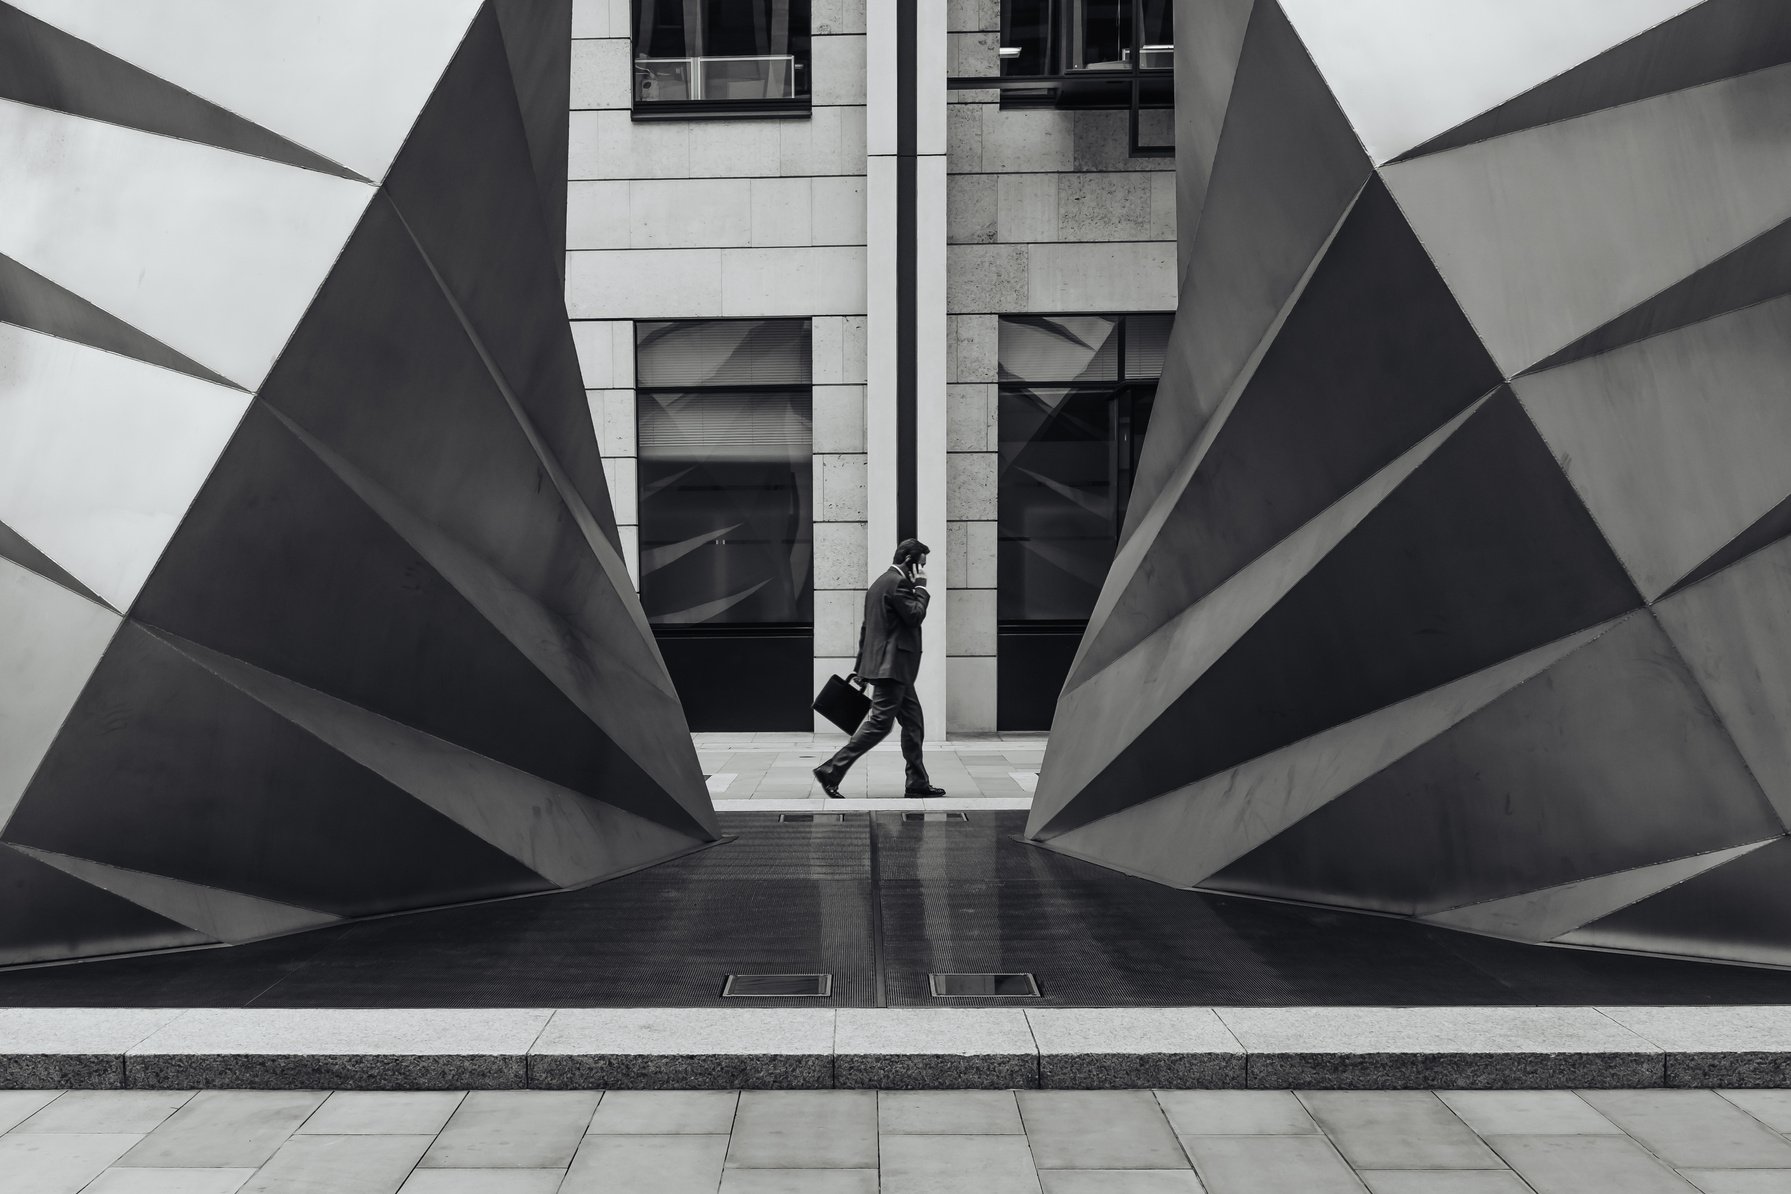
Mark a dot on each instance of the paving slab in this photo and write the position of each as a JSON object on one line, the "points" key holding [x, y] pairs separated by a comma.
{"points": [[800, 1129], [170, 1181], [1528, 1113], [17, 1106], [1770, 1107], [799, 1181], [1587, 1165], [1716, 1046], [513, 1129], [1101, 1129], [1131, 1048], [948, 1113], [1235, 1113], [685, 1049], [59, 1163], [1443, 1181], [339, 1165], [662, 1164], [1271, 1165], [934, 1049], [1693, 1129], [483, 1181], [140, 1111], [1397, 1129], [1739, 1181], [1119, 1181], [946, 1164], [1370, 1048], [339, 1048], [666, 1113], [383, 1113], [42, 1047], [225, 1129]]}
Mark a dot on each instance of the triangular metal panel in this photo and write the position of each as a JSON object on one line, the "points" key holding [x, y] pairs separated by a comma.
{"points": [[101, 455], [174, 238], [342, 77], [16, 548], [51, 916]]}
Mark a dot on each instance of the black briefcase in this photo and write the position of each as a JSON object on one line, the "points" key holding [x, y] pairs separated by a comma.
{"points": [[843, 703]]}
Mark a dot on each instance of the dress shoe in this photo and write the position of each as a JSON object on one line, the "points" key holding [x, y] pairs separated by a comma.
{"points": [[929, 790], [831, 787]]}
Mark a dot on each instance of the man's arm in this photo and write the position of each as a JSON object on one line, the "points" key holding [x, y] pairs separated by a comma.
{"points": [[908, 601]]}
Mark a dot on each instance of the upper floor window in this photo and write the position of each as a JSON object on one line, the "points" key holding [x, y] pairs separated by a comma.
{"points": [[1082, 52], [720, 56]]}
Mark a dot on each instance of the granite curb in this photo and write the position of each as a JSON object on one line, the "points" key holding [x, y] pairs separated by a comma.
{"points": [[895, 1048]]}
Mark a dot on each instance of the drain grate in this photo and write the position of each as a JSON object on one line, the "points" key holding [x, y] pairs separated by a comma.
{"points": [[935, 816], [778, 986], [810, 818], [983, 986]]}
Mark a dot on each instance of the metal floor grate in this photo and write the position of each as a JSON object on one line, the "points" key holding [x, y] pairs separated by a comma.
{"points": [[935, 816], [811, 818], [983, 986], [778, 986]]}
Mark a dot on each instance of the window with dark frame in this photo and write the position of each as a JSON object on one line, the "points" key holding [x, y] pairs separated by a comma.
{"points": [[1075, 399], [724, 415], [694, 57], [1088, 53]]}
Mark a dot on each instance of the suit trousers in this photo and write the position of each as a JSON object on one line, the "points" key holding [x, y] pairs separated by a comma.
{"points": [[891, 702]]}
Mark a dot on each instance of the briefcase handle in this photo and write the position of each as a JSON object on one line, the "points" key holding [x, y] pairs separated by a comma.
{"points": [[855, 682]]}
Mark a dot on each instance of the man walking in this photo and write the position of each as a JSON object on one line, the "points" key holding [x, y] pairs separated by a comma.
{"points": [[889, 658]]}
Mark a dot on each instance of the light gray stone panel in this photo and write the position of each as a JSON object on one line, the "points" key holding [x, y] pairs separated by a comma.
{"points": [[1235, 1113], [839, 487], [734, 148], [971, 624], [1527, 1112], [854, 332], [600, 18], [969, 208], [339, 1164], [973, 55], [1397, 1129], [60, 1164], [838, 210], [671, 283], [964, 139], [611, 145], [1100, 139], [836, 16], [623, 476], [970, 424], [384, 1113], [690, 213], [219, 1129], [838, 419], [826, 1129], [970, 693], [986, 1164], [139, 1111], [970, 485], [839, 555], [964, 15], [974, 345], [613, 419], [1163, 220], [970, 554], [597, 214], [688, 1048], [1101, 1129], [1716, 1046], [1123, 276], [948, 1113], [605, 352], [513, 1129], [666, 1113], [852, 140], [836, 69], [17, 1106], [602, 73], [838, 613], [792, 282], [1029, 139], [1104, 206], [1026, 207], [43, 1048], [780, 211], [827, 350], [986, 278]]}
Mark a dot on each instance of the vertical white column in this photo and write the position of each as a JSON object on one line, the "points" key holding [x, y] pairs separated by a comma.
{"points": [[929, 348], [882, 97]]}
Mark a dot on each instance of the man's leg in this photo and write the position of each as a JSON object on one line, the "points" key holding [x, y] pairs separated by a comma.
{"points": [[885, 701], [914, 732]]}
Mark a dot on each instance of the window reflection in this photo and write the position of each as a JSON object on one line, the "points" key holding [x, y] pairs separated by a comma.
{"points": [[1076, 49], [720, 52], [725, 417]]}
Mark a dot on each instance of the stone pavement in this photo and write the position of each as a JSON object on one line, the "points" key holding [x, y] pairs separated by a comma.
{"points": [[776, 767], [918, 1142]]}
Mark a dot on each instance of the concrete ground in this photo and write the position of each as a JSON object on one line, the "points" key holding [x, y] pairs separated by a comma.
{"points": [[870, 1142], [777, 767]]}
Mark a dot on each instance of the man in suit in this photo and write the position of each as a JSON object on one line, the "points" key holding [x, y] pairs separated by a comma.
{"points": [[889, 658]]}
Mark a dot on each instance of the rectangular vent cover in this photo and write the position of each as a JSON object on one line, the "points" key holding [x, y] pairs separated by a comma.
{"points": [[777, 986], [935, 816], [983, 986], [810, 818]]}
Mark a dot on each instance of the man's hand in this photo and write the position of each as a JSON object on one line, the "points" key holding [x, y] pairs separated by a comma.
{"points": [[917, 573]]}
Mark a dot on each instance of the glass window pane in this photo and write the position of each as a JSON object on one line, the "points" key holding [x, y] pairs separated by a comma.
{"points": [[725, 507], [1026, 30], [1059, 348], [723, 352], [1058, 495], [1147, 339], [721, 50]]}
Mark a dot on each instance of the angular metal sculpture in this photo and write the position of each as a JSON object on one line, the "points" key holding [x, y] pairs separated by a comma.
{"points": [[1457, 579], [312, 595]]}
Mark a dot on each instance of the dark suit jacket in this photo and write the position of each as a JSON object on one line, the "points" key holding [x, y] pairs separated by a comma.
{"points": [[889, 643]]}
